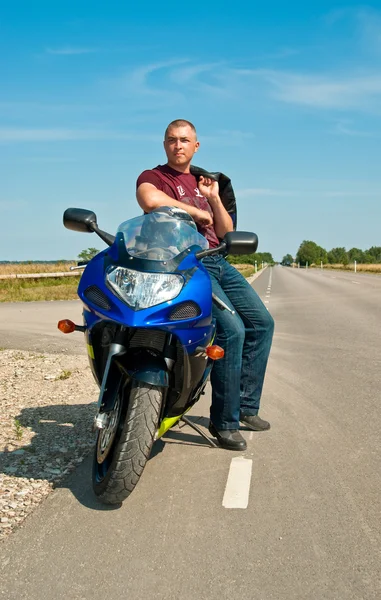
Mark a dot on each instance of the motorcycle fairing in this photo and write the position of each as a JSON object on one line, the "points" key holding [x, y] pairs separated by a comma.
{"points": [[197, 288], [103, 322]]}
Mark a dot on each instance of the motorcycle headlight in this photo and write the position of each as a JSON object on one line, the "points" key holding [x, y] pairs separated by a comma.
{"points": [[142, 290]]}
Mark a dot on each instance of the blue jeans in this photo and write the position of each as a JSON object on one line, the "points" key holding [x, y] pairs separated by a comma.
{"points": [[246, 337]]}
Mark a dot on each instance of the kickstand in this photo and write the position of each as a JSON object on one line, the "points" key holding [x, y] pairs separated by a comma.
{"points": [[200, 431]]}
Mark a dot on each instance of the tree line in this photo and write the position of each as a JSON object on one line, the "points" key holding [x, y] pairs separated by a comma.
{"points": [[251, 259], [311, 253]]}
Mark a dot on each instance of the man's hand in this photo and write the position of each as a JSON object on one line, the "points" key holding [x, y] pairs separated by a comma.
{"points": [[222, 221], [202, 217], [209, 188]]}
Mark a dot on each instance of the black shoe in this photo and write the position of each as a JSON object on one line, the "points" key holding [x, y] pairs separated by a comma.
{"points": [[230, 439], [254, 422]]}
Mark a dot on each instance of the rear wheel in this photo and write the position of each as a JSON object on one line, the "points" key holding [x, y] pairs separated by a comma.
{"points": [[123, 447]]}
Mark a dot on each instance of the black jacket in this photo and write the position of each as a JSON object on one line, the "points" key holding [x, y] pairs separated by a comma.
{"points": [[226, 190]]}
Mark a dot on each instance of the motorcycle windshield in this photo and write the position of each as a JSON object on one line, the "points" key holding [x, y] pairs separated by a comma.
{"points": [[159, 236]]}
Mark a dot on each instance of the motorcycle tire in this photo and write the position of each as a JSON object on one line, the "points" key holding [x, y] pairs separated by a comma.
{"points": [[136, 419]]}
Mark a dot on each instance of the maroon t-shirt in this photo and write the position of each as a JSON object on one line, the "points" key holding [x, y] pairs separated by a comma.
{"points": [[181, 187]]}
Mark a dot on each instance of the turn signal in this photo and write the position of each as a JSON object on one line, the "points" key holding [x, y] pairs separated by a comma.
{"points": [[66, 326], [215, 352]]}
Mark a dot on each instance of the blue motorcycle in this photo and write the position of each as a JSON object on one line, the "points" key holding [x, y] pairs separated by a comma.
{"points": [[147, 319]]}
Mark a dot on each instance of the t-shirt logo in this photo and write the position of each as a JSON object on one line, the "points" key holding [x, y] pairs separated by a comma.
{"points": [[181, 190], [198, 193]]}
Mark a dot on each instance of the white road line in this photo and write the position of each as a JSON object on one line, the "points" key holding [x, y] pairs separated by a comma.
{"points": [[356, 282], [251, 435], [267, 301], [238, 484]]}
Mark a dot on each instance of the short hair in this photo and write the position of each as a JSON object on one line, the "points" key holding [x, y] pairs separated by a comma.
{"points": [[180, 123]]}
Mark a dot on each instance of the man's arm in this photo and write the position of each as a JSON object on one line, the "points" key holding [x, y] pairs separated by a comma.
{"points": [[149, 198], [222, 220]]}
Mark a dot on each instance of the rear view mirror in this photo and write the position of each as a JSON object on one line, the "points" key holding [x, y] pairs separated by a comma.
{"points": [[241, 242], [80, 219]]}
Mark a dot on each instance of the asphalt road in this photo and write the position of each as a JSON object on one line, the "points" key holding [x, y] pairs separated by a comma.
{"points": [[33, 326], [311, 529]]}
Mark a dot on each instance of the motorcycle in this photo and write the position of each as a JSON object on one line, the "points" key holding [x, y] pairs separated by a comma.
{"points": [[147, 319]]}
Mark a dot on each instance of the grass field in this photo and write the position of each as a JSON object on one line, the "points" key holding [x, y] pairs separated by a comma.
{"points": [[32, 290], [17, 268], [245, 270], [360, 268]]}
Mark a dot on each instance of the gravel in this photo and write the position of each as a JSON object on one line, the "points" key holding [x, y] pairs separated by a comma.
{"points": [[47, 406]]}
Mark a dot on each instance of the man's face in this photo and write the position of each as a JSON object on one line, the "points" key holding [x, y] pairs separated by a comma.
{"points": [[180, 145]]}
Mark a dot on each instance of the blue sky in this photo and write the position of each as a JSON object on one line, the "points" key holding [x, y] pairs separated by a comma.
{"points": [[286, 98]]}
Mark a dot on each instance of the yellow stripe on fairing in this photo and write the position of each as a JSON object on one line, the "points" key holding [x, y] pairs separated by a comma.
{"points": [[90, 351], [167, 424]]}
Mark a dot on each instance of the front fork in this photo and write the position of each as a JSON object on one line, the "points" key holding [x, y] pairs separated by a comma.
{"points": [[112, 378]]}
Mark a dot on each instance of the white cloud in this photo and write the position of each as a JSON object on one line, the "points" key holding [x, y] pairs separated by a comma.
{"points": [[63, 135], [311, 191], [350, 194], [148, 86], [69, 50], [364, 23], [344, 127], [188, 74], [324, 91], [140, 77], [175, 81], [369, 22], [336, 15], [359, 90]]}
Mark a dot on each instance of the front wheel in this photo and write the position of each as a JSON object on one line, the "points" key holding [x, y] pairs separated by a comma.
{"points": [[123, 447]]}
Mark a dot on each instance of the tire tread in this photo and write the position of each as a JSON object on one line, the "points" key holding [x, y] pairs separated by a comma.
{"points": [[134, 446]]}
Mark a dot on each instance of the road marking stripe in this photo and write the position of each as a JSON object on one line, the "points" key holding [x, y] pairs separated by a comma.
{"points": [[267, 301], [238, 484], [356, 282]]}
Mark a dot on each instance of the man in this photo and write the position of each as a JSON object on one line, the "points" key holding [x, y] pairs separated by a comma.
{"points": [[246, 336]]}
